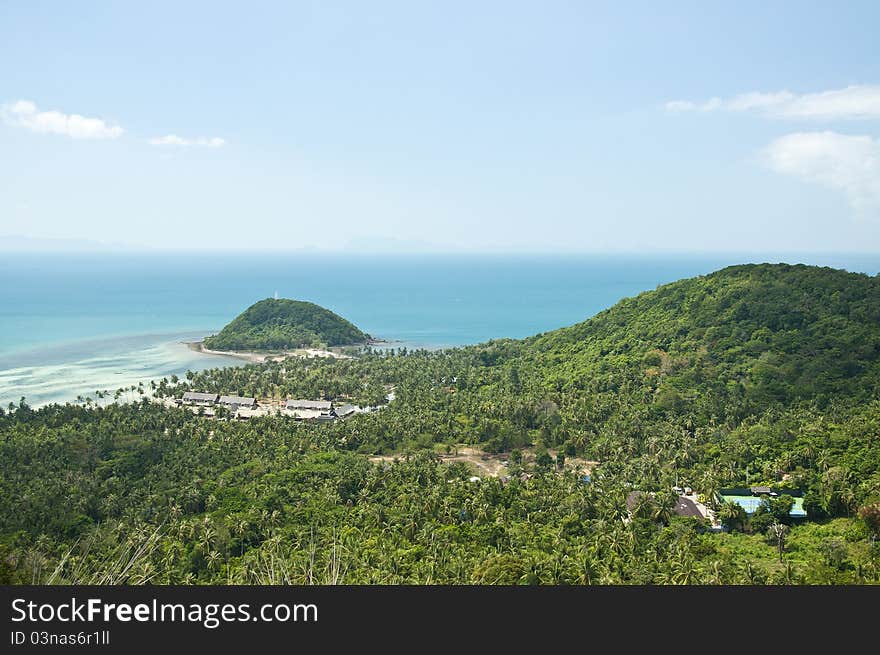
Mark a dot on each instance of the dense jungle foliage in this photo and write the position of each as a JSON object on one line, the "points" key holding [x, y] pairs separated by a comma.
{"points": [[758, 374], [278, 324]]}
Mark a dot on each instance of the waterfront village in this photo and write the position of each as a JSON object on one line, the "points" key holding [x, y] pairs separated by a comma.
{"points": [[213, 405]]}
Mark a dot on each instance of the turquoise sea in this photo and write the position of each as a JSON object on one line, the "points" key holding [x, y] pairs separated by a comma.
{"points": [[72, 324]]}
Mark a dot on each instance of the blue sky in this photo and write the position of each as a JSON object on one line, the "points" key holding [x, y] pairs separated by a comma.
{"points": [[490, 126]]}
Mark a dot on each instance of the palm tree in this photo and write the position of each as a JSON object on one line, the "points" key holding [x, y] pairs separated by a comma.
{"points": [[731, 515], [240, 528], [716, 576], [213, 558], [684, 570], [778, 531]]}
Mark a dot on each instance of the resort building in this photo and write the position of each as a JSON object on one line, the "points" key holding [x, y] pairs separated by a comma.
{"points": [[199, 398], [246, 407], [345, 410], [686, 507], [310, 410], [234, 402], [314, 405]]}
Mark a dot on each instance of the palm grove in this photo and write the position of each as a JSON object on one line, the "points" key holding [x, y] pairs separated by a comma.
{"points": [[757, 374]]}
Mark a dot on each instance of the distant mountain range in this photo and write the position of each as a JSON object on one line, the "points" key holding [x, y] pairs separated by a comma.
{"points": [[21, 243]]}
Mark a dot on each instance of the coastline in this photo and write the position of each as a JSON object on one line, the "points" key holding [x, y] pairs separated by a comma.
{"points": [[259, 358], [88, 368], [58, 374]]}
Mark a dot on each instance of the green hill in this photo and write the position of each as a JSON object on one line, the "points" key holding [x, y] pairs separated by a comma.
{"points": [[277, 324], [726, 344]]}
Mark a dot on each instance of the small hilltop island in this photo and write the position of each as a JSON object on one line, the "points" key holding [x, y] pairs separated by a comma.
{"points": [[280, 326]]}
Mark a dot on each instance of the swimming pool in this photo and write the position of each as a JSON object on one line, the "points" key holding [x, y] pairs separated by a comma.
{"points": [[751, 503]]}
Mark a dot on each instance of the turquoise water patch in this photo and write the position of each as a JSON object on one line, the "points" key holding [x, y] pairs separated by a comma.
{"points": [[751, 503], [83, 368]]}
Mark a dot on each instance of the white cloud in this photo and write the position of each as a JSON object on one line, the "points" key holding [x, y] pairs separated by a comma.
{"points": [[850, 164], [24, 113], [687, 105], [174, 140], [852, 102]]}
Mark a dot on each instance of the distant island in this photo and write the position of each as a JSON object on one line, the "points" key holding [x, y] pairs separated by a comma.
{"points": [[281, 324]]}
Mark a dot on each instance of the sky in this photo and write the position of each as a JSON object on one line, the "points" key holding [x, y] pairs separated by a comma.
{"points": [[440, 126]]}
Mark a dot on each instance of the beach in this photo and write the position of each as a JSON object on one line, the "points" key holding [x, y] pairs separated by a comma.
{"points": [[259, 358], [59, 374]]}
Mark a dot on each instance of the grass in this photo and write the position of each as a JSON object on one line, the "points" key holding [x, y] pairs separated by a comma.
{"points": [[835, 551]]}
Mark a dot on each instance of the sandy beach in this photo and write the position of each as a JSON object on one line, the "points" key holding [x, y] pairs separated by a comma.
{"points": [[258, 358], [61, 373], [102, 366]]}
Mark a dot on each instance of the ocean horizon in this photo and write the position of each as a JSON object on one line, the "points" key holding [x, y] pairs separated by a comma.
{"points": [[71, 324]]}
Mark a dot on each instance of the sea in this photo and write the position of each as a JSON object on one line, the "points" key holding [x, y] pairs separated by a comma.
{"points": [[75, 324]]}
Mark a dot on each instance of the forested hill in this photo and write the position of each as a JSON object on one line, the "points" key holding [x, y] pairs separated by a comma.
{"points": [[729, 343], [276, 324]]}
